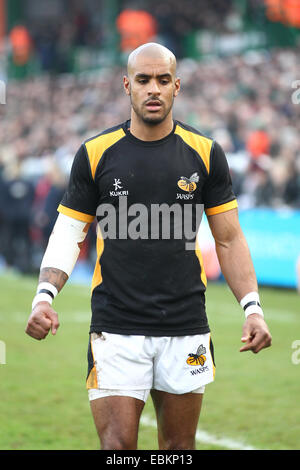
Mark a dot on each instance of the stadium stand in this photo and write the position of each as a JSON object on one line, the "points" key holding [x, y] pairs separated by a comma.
{"points": [[244, 101]]}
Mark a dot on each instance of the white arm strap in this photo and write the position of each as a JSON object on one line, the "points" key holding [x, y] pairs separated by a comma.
{"points": [[63, 247]]}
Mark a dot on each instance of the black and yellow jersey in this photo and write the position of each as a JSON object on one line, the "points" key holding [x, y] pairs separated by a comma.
{"points": [[148, 283]]}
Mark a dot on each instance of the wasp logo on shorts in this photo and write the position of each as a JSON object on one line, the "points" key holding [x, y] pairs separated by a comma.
{"points": [[197, 359], [188, 184]]}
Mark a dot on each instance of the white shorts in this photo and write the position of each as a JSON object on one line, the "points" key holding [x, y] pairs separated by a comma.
{"points": [[132, 365]]}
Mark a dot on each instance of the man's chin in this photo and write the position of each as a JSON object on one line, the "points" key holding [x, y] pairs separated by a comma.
{"points": [[153, 120]]}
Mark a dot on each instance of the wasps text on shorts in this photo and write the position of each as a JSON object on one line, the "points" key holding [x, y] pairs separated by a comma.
{"points": [[197, 359]]}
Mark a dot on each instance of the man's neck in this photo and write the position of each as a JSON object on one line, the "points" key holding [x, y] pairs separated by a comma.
{"points": [[148, 132]]}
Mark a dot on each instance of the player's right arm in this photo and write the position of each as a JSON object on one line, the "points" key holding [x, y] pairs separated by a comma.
{"points": [[76, 212], [57, 265]]}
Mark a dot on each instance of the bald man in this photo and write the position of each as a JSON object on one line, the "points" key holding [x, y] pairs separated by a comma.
{"points": [[149, 331]]}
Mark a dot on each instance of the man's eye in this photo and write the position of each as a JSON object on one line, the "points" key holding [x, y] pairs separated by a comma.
{"points": [[142, 81]]}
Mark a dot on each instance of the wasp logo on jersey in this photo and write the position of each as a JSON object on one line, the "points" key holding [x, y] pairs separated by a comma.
{"points": [[188, 184], [197, 359]]}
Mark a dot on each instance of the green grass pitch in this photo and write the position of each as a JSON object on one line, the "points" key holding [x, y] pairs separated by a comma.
{"points": [[253, 403]]}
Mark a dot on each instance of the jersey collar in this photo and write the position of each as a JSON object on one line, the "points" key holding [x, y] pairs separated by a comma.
{"points": [[147, 143]]}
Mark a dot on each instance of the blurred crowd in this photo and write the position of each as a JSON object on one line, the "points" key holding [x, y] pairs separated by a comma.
{"points": [[52, 42], [176, 20], [250, 104], [245, 102]]}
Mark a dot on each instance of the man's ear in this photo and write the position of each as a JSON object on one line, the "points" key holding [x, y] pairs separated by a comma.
{"points": [[126, 84], [177, 86]]}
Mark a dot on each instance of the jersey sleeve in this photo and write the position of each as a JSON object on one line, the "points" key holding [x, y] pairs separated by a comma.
{"points": [[218, 195], [81, 198]]}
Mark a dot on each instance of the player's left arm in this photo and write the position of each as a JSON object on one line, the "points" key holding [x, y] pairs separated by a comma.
{"points": [[237, 267]]}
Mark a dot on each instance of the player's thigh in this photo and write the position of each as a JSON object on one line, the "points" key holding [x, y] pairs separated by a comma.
{"points": [[177, 415], [117, 420]]}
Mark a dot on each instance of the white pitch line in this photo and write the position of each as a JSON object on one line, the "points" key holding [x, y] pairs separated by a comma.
{"points": [[205, 437]]}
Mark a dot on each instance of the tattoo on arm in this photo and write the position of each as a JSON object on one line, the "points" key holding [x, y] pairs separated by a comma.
{"points": [[55, 276]]}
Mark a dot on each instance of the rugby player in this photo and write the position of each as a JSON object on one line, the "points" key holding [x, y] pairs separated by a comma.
{"points": [[149, 331]]}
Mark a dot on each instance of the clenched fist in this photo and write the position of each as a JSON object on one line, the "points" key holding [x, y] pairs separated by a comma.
{"points": [[42, 319]]}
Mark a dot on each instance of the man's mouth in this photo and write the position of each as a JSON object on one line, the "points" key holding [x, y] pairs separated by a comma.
{"points": [[153, 105]]}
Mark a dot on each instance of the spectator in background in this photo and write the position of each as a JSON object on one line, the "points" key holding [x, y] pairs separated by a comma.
{"points": [[258, 143], [21, 47], [16, 201], [136, 27], [284, 11], [21, 44], [57, 185], [46, 47], [82, 26]]}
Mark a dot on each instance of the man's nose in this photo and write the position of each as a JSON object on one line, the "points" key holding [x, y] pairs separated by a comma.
{"points": [[153, 88]]}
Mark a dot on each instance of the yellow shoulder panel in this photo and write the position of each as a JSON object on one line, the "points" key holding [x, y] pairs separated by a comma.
{"points": [[97, 146], [201, 144]]}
